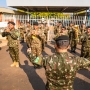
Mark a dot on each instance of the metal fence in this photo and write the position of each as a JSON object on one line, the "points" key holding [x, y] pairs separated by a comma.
{"points": [[77, 20]]}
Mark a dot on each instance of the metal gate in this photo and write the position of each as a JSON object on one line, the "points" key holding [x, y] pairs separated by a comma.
{"points": [[77, 20]]}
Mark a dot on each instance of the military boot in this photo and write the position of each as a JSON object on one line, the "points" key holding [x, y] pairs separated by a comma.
{"points": [[12, 65], [17, 64]]}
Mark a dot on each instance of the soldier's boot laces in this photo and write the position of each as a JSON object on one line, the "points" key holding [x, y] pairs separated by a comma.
{"points": [[17, 64], [12, 65]]}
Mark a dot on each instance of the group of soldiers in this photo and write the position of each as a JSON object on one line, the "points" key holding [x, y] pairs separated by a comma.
{"points": [[60, 67], [36, 30], [77, 35]]}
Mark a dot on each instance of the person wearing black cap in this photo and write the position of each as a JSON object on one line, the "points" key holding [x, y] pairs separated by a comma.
{"points": [[12, 35], [60, 67]]}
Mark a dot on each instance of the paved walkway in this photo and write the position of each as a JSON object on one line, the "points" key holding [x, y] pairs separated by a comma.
{"points": [[27, 78]]}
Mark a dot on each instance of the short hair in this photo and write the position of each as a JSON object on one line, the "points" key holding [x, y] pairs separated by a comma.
{"points": [[62, 42], [35, 23], [59, 22], [64, 27], [28, 22], [11, 23]]}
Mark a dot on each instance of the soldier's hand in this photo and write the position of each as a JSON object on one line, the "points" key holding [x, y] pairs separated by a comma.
{"points": [[8, 30], [29, 50]]}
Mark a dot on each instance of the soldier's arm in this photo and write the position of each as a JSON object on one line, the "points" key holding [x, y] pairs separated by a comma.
{"points": [[14, 35], [40, 60], [83, 63], [82, 38]]}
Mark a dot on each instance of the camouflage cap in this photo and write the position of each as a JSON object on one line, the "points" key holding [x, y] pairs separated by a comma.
{"points": [[63, 37]]}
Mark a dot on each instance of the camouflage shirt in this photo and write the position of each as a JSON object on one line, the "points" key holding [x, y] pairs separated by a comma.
{"points": [[12, 38], [85, 39], [61, 70]]}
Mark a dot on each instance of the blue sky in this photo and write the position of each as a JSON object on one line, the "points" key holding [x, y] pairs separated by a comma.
{"points": [[3, 3]]}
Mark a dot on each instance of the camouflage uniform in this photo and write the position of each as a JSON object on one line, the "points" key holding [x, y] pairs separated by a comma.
{"points": [[13, 44], [85, 49], [61, 70], [57, 29], [61, 33], [22, 30], [28, 36], [43, 37], [46, 32], [73, 39], [82, 30], [36, 46]]}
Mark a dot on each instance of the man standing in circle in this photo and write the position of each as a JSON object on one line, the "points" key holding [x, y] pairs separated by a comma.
{"points": [[60, 67]]}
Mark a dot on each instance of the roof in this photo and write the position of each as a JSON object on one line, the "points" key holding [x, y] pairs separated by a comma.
{"points": [[50, 5], [50, 9], [10, 11], [6, 10]]}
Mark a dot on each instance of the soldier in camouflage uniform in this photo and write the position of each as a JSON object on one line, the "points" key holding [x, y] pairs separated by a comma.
{"points": [[22, 29], [36, 44], [60, 67], [58, 27], [85, 48], [63, 32], [83, 28], [27, 35], [42, 35], [46, 31], [12, 35], [73, 36]]}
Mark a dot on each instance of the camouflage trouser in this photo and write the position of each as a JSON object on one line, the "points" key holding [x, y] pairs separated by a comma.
{"points": [[14, 53], [22, 36], [73, 45], [46, 34], [43, 42], [36, 51], [28, 41], [85, 52]]}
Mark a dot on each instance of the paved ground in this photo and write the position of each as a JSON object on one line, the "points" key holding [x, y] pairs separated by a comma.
{"points": [[27, 78]]}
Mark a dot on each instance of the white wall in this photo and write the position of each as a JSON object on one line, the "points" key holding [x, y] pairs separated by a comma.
{"points": [[79, 3]]}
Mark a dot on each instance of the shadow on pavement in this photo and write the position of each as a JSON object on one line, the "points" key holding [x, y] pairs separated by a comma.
{"points": [[76, 53], [24, 48], [51, 48], [81, 85], [44, 53], [78, 48], [36, 82], [52, 42]]}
